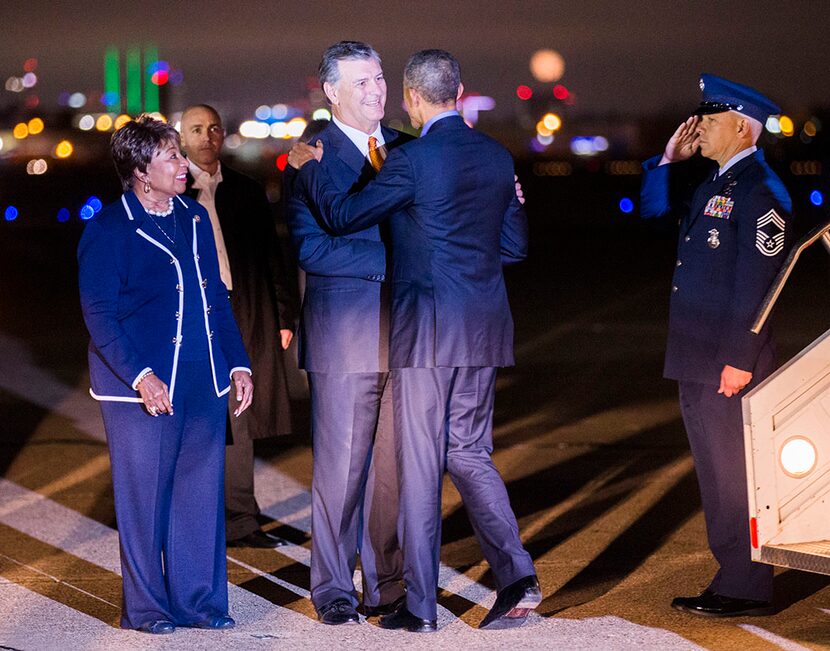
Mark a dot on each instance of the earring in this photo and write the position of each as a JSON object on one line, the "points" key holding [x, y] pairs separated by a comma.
{"points": [[146, 186]]}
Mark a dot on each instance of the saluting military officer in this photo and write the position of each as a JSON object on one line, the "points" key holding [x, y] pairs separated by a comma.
{"points": [[735, 230]]}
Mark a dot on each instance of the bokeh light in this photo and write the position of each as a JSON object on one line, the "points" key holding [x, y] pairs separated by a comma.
{"points": [[321, 114], [544, 140], [542, 129], [103, 123], [14, 84], [786, 124], [279, 130], [64, 149], [20, 131], [279, 111], [263, 112], [254, 129], [524, 92], [810, 128], [10, 214], [552, 121], [121, 120], [1, 144], [626, 205], [64, 215], [282, 162], [77, 100], [36, 167], [86, 123], [600, 143], [547, 66], [816, 198], [773, 125], [86, 212], [32, 102], [30, 64], [560, 92], [29, 80], [296, 127], [35, 126], [94, 203]]}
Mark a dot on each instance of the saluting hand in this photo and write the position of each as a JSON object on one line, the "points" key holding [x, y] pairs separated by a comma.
{"points": [[684, 143], [733, 380], [301, 153], [244, 391]]}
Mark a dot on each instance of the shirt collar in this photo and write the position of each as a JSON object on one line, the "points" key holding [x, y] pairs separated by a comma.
{"points": [[358, 137], [435, 119], [737, 157], [201, 177]]}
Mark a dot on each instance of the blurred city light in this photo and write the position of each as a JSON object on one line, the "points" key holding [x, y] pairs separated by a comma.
{"points": [[552, 121], [159, 72], [20, 131], [63, 215], [471, 105], [542, 129], [279, 111], [626, 205], [544, 140], [786, 125], [86, 212], [233, 141], [94, 203], [263, 112], [77, 100], [10, 213], [36, 167], [588, 145], [524, 92], [32, 101], [279, 130], [816, 198], [14, 84], [64, 149], [773, 125], [29, 80], [560, 92], [547, 66], [296, 127], [600, 143], [30, 64], [1, 144], [321, 114], [282, 162], [103, 123], [810, 128], [121, 120], [35, 126], [254, 129], [86, 123]]}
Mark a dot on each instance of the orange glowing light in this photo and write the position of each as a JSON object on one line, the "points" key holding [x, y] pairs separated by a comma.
{"points": [[547, 66], [64, 149], [542, 129], [786, 124], [121, 120], [103, 123], [35, 126], [21, 130], [552, 121]]}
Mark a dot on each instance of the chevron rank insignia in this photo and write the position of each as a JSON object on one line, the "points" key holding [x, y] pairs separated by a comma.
{"points": [[769, 237]]}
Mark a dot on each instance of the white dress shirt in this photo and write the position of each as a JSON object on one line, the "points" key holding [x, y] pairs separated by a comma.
{"points": [[361, 139], [206, 184]]}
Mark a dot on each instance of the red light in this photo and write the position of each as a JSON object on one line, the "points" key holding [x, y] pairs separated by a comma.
{"points": [[524, 92], [560, 92], [753, 532], [30, 65], [32, 101], [160, 77], [282, 162]]}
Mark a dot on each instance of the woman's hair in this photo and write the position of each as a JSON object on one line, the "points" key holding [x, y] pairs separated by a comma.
{"points": [[134, 145]]}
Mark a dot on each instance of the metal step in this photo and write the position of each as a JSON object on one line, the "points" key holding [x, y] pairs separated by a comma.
{"points": [[808, 556]]}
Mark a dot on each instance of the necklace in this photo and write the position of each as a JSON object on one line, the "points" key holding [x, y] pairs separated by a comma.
{"points": [[162, 214], [153, 215]]}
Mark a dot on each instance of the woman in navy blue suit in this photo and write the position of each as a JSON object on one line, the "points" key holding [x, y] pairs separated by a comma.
{"points": [[163, 351]]}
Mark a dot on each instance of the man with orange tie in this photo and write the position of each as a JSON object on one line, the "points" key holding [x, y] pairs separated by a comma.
{"points": [[343, 345]]}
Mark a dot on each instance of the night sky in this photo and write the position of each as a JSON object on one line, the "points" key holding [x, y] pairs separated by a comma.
{"points": [[621, 57]]}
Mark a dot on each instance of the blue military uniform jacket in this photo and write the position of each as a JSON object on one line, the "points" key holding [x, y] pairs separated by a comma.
{"points": [[735, 232], [132, 298], [452, 229], [344, 326]]}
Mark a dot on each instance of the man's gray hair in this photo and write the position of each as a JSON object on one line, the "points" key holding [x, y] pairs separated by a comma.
{"points": [[329, 72], [435, 74]]}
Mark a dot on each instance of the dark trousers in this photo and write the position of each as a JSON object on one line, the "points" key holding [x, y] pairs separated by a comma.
{"points": [[167, 481], [354, 489], [714, 425], [444, 420], [241, 508]]}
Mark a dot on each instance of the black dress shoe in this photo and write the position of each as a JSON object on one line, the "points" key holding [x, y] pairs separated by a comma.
{"points": [[711, 604], [513, 604], [158, 627], [383, 609], [339, 611], [258, 539], [402, 618], [219, 622]]}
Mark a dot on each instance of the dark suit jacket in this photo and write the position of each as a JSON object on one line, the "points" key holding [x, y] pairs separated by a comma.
{"points": [[727, 257], [132, 298], [261, 300], [344, 321], [455, 220]]}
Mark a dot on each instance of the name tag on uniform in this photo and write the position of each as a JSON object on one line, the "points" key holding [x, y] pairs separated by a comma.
{"points": [[719, 207]]}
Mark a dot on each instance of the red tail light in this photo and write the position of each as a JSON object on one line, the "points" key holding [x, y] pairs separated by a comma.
{"points": [[753, 532]]}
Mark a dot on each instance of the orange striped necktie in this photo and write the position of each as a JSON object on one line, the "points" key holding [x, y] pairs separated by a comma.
{"points": [[375, 157]]}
